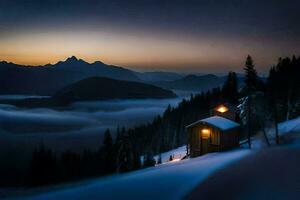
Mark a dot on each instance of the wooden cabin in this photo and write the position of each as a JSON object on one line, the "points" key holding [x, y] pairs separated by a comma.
{"points": [[212, 134]]}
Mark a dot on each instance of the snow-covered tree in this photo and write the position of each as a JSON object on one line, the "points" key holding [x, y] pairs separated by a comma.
{"points": [[260, 113], [149, 160]]}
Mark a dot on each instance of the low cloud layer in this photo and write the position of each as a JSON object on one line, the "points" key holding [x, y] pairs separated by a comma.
{"points": [[79, 126]]}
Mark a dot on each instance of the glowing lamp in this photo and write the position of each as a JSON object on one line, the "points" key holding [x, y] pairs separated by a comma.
{"points": [[222, 109], [176, 160], [205, 133]]}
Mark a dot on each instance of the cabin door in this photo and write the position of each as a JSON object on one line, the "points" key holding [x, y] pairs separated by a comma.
{"points": [[205, 145]]}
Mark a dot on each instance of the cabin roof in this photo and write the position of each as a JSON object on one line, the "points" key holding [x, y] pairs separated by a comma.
{"points": [[218, 122]]}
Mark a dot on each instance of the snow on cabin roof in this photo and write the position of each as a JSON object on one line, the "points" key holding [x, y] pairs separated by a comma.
{"points": [[218, 122]]}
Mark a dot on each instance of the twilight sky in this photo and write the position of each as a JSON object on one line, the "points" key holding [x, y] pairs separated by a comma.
{"points": [[145, 35]]}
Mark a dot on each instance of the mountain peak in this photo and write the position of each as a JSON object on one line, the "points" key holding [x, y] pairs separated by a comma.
{"points": [[72, 59], [98, 63]]}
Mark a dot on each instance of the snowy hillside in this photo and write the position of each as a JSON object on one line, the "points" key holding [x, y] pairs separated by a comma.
{"points": [[289, 126], [177, 154], [171, 180], [168, 181]]}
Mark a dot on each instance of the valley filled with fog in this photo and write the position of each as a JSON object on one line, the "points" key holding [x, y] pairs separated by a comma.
{"points": [[76, 127]]}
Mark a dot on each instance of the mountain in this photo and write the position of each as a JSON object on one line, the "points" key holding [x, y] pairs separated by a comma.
{"points": [[159, 76], [47, 79], [192, 83], [99, 88], [95, 88]]}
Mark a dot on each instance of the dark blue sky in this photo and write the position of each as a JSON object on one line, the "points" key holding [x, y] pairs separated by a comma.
{"points": [[177, 35]]}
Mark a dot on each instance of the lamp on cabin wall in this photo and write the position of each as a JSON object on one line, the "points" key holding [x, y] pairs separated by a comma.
{"points": [[205, 133], [222, 109]]}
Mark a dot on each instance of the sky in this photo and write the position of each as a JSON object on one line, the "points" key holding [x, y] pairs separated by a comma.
{"points": [[147, 35]]}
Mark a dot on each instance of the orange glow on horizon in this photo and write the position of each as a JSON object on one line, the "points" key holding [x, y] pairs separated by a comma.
{"points": [[131, 50], [134, 50]]}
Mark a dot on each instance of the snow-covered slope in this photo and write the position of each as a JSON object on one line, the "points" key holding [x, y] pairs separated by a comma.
{"points": [[168, 181], [289, 126], [177, 154], [172, 180]]}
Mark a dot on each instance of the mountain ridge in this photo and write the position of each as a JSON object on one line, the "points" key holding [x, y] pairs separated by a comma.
{"points": [[49, 78], [192, 83], [92, 89]]}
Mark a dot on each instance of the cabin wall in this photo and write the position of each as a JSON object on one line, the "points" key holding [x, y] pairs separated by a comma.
{"points": [[198, 145], [218, 140], [214, 140], [194, 141], [230, 139]]}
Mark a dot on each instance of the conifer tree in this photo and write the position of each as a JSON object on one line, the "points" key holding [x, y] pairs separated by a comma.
{"points": [[108, 141], [251, 85], [230, 88], [149, 160], [251, 79], [159, 160], [171, 158], [43, 166], [125, 159], [108, 152]]}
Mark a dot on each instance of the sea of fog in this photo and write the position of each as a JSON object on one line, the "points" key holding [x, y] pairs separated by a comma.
{"points": [[76, 127]]}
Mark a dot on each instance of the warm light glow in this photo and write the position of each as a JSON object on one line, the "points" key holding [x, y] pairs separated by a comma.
{"points": [[205, 133], [163, 52], [222, 109], [175, 160]]}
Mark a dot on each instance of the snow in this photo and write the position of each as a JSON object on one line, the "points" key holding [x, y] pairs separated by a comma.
{"points": [[173, 180], [272, 173], [219, 122], [289, 126], [177, 154]]}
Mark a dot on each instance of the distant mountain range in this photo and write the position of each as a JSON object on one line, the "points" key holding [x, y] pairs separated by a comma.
{"points": [[192, 83], [159, 76], [48, 79]]}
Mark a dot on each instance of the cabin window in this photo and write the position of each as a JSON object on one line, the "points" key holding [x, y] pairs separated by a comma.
{"points": [[205, 133]]}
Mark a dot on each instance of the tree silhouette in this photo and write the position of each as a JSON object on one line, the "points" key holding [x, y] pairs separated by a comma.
{"points": [[251, 85], [149, 160], [108, 153], [125, 158], [43, 166], [230, 88]]}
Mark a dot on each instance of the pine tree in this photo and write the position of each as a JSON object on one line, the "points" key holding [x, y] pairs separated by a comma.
{"points": [[171, 158], [149, 160], [251, 83], [125, 157], [43, 166], [230, 88], [251, 79], [159, 160], [108, 141], [108, 151], [70, 166]]}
